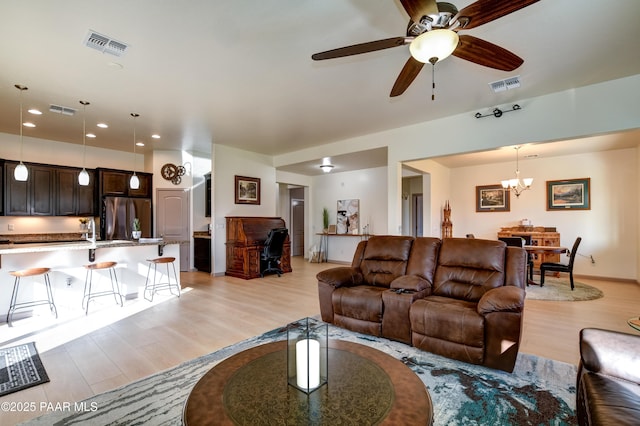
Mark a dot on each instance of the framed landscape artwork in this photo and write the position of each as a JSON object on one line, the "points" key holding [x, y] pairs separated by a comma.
{"points": [[569, 194], [492, 198], [247, 190]]}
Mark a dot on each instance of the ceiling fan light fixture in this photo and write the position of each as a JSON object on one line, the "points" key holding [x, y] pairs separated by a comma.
{"points": [[438, 44], [326, 167]]}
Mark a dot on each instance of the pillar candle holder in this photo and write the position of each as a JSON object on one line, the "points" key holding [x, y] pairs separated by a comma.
{"points": [[307, 352]]}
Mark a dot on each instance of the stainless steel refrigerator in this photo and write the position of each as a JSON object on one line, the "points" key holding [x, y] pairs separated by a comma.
{"points": [[117, 216]]}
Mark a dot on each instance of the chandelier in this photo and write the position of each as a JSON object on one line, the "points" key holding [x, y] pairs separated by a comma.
{"points": [[517, 185]]}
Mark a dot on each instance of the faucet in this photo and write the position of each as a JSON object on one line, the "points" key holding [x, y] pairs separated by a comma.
{"points": [[91, 227]]}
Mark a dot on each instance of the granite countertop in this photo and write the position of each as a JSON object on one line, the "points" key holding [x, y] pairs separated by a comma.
{"points": [[44, 246], [201, 234]]}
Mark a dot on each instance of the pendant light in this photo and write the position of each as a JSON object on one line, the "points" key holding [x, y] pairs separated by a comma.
{"points": [[134, 182], [21, 173], [83, 176]]}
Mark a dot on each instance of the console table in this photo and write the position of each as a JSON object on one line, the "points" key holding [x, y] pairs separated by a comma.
{"points": [[365, 386]]}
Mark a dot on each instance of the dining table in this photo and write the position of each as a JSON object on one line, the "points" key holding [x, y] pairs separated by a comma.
{"points": [[532, 249]]}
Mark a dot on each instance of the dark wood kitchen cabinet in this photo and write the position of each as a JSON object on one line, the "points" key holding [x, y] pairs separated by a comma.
{"points": [[207, 195], [71, 198], [202, 254], [35, 197], [116, 183]]}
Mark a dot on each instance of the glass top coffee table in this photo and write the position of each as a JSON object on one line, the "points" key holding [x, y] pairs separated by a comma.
{"points": [[365, 386]]}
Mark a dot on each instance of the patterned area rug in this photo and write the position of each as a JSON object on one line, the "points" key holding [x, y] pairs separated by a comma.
{"points": [[539, 391], [20, 368], [560, 289]]}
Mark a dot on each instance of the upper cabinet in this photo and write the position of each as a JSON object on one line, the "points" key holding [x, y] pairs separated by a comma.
{"points": [[116, 183], [34, 197], [71, 198], [207, 195], [55, 191]]}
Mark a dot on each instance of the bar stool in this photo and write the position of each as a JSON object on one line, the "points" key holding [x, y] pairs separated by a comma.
{"points": [[115, 289], [153, 287], [32, 272]]}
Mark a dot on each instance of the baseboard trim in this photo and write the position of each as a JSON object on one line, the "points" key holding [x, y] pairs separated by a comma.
{"points": [[614, 279]]}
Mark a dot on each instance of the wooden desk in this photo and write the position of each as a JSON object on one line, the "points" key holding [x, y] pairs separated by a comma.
{"points": [[245, 240]]}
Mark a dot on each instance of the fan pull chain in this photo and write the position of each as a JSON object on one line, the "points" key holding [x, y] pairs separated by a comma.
{"points": [[433, 77], [433, 82]]}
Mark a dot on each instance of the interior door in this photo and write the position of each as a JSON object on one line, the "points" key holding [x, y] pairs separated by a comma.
{"points": [[173, 220], [297, 228]]}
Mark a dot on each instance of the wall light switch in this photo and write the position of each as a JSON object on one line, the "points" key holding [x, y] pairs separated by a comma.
{"points": [[10, 226]]}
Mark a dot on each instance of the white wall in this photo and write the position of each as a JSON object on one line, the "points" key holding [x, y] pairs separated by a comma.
{"points": [[609, 230], [228, 162], [369, 186]]}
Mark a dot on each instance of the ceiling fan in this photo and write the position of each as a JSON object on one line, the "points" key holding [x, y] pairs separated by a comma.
{"points": [[432, 35]]}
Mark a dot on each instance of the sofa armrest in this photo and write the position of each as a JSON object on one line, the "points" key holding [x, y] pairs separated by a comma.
{"points": [[410, 282], [502, 299], [341, 277], [611, 353]]}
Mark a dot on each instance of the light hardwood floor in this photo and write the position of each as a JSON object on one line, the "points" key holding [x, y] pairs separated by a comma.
{"points": [[114, 346]]}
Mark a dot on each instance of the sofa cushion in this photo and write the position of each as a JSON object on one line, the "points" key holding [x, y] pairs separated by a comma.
{"points": [[609, 401], [468, 268], [385, 259], [362, 302], [424, 257], [448, 319]]}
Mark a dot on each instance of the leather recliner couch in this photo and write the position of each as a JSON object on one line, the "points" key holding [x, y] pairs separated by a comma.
{"points": [[608, 380], [460, 298]]}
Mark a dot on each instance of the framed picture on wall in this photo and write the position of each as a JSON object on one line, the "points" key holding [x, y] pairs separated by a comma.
{"points": [[492, 198], [569, 194], [247, 190]]}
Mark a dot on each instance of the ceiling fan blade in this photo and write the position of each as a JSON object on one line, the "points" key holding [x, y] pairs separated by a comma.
{"points": [[484, 11], [357, 49], [416, 9], [488, 54], [406, 77]]}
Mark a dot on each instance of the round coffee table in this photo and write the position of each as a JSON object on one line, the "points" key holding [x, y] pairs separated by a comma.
{"points": [[365, 386]]}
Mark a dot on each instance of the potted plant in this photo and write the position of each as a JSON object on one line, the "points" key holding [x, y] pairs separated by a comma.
{"points": [[136, 232], [325, 220]]}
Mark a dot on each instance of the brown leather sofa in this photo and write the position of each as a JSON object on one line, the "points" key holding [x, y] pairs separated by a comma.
{"points": [[608, 381], [460, 298]]}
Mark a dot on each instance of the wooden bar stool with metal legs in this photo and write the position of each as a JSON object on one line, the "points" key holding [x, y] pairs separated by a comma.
{"points": [[15, 305], [154, 286], [89, 294]]}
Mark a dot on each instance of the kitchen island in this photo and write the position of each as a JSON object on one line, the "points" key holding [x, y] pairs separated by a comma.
{"points": [[67, 260]]}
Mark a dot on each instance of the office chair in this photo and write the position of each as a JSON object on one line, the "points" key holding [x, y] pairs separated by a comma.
{"points": [[272, 251], [560, 267]]}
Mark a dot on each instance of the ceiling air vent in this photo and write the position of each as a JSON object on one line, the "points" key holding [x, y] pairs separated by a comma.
{"points": [[105, 44], [59, 109], [506, 84]]}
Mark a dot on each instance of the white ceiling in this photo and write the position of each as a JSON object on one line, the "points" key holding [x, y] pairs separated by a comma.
{"points": [[240, 73]]}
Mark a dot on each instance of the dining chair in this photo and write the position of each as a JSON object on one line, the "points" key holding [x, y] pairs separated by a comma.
{"points": [[560, 267]]}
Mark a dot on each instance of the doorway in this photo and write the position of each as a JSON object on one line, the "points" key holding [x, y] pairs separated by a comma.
{"points": [[296, 195], [173, 221], [416, 214]]}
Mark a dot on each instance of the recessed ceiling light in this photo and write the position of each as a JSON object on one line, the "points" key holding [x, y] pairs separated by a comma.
{"points": [[28, 124], [35, 111], [139, 144], [155, 136], [102, 125], [90, 135]]}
